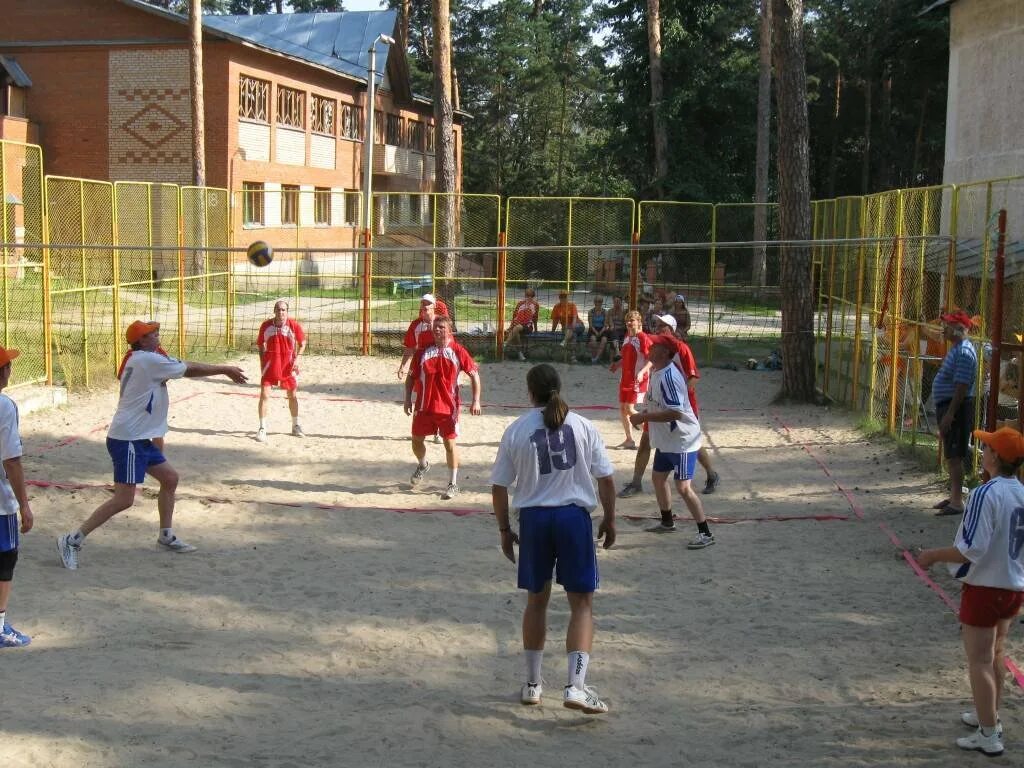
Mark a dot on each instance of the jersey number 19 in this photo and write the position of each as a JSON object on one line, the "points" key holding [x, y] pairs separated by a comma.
{"points": [[556, 448]]}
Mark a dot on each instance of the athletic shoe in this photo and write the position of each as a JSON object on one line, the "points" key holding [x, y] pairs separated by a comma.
{"points": [[437, 439], [712, 483], [417, 476], [701, 541], [630, 490], [175, 544], [970, 719], [662, 528], [261, 435], [522, 357], [531, 693], [587, 700], [297, 431], [990, 745], [12, 638], [68, 552], [450, 492]]}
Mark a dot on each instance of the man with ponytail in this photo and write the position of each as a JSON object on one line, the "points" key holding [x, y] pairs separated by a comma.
{"points": [[553, 455]]}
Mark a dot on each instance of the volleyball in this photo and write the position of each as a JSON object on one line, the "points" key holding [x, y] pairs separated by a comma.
{"points": [[260, 253]]}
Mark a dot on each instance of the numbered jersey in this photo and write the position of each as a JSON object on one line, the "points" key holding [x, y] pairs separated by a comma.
{"points": [[991, 535], [551, 468]]}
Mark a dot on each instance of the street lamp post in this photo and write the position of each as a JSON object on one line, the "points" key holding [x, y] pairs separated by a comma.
{"points": [[368, 139]]}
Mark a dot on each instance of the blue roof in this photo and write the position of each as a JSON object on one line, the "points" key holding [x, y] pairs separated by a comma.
{"points": [[337, 41]]}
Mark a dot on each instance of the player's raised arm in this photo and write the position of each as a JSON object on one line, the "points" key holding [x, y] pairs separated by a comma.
{"points": [[198, 370]]}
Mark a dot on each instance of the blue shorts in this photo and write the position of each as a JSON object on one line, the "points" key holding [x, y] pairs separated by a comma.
{"points": [[559, 539], [681, 464], [8, 533], [132, 458]]}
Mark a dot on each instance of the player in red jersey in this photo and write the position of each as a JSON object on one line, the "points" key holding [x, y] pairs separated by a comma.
{"points": [[281, 340], [665, 325], [437, 370], [635, 373], [524, 321], [420, 334]]}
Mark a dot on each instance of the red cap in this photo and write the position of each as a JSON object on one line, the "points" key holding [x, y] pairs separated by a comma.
{"points": [[6, 355], [1006, 442], [959, 317]]}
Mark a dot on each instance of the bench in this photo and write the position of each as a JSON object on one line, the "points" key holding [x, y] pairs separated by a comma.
{"points": [[412, 284]]}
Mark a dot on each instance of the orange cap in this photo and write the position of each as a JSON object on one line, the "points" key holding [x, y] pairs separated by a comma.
{"points": [[1006, 442], [6, 355], [140, 328]]}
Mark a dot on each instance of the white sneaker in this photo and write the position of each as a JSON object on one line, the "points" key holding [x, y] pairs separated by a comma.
{"points": [[417, 476], [701, 541], [990, 745], [522, 357], [261, 435], [450, 492], [531, 693], [175, 544], [970, 719], [68, 552], [661, 528], [587, 700], [297, 431]]}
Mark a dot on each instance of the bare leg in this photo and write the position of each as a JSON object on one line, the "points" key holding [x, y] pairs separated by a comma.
{"points": [[293, 402], [451, 453], [643, 457], [535, 617], [123, 498], [5, 594], [264, 398], [166, 475], [979, 645], [662, 492], [705, 460], [580, 634], [625, 410], [419, 448], [691, 499], [956, 482], [998, 663]]}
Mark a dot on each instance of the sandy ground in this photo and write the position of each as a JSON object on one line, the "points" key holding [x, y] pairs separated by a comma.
{"points": [[334, 617]]}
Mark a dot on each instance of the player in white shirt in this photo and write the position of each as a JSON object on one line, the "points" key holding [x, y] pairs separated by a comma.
{"points": [[140, 417], [552, 456], [987, 551], [675, 434], [13, 500]]}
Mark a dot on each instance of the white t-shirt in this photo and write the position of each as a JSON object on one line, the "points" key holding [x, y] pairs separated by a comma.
{"points": [[667, 392], [551, 468], [142, 410], [991, 535], [10, 448]]}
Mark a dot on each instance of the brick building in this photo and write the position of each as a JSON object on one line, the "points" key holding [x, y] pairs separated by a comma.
{"points": [[104, 84]]}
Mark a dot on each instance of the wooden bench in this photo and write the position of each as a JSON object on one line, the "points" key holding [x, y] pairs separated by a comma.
{"points": [[412, 284]]}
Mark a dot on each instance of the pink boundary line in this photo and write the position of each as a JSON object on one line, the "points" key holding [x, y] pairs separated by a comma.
{"points": [[908, 556]]}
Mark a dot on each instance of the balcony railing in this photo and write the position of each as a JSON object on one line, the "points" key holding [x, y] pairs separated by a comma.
{"points": [[400, 161]]}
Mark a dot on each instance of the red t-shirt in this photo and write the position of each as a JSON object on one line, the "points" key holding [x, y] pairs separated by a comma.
{"points": [[634, 358], [419, 336], [686, 363], [437, 370], [525, 312], [279, 346]]}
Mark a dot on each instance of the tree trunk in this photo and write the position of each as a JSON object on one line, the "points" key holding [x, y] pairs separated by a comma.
{"points": [[403, 24], [657, 98], [759, 265], [865, 163], [195, 23], [444, 149], [798, 365], [915, 166], [833, 158]]}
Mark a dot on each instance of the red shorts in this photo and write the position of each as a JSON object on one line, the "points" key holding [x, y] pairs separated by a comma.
{"points": [[426, 424], [630, 396], [987, 606], [288, 382]]}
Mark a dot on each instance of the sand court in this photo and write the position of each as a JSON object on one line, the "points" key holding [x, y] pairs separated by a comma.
{"points": [[333, 616]]}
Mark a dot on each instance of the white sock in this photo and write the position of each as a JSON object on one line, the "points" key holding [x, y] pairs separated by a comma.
{"points": [[295, 421], [78, 537], [533, 665], [263, 424], [3, 621], [578, 661], [454, 476], [167, 534]]}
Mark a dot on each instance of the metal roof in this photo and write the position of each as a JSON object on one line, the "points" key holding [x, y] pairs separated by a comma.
{"points": [[969, 253], [337, 41], [16, 73], [935, 4]]}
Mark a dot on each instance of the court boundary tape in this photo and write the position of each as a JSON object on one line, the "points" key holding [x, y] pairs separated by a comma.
{"points": [[907, 555]]}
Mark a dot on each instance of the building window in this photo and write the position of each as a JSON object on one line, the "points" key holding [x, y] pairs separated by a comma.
{"points": [[321, 115], [416, 135], [322, 205], [353, 204], [430, 139], [252, 203], [393, 134], [351, 122], [253, 99], [378, 127], [289, 204], [291, 109]]}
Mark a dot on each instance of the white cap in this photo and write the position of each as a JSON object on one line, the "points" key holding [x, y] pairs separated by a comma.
{"points": [[680, 297], [667, 320], [429, 298]]}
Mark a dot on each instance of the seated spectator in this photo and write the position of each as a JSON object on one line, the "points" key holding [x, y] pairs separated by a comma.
{"points": [[524, 321], [565, 314], [647, 313], [617, 322], [598, 329], [682, 316]]}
